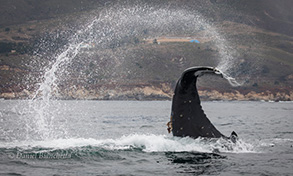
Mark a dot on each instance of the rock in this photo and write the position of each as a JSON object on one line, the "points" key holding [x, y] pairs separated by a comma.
{"points": [[161, 91]]}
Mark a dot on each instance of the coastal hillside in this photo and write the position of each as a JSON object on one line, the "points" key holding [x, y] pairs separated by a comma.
{"points": [[138, 49]]}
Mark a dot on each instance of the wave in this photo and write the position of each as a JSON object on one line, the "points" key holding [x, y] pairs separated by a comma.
{"points": [[276, 141], [137, 142]]}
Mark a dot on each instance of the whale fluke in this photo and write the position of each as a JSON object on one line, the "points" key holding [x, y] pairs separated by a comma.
{"points": [[187, 116]]}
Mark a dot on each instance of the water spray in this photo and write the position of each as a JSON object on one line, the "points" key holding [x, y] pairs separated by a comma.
{"points": [[117, 23]]}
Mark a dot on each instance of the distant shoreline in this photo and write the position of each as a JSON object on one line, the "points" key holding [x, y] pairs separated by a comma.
{"points": [[155, 94]]}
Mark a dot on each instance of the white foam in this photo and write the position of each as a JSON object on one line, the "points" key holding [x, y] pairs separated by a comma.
{"points": [[274, 141], [146, 142]]}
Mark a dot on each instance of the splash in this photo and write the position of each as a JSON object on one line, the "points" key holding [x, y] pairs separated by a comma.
{"points": [[146, 143], [40, 106], [122, 23], [232, 81], [115, 26]]}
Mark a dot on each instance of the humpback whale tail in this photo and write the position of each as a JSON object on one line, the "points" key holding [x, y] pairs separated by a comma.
{"points": [[187, 117]]}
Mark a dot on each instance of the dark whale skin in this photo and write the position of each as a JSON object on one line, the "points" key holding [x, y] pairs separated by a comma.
{"points": [[187, 116]]}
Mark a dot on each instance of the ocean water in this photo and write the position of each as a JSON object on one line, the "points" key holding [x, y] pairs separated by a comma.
{"points": [[131, 138]]}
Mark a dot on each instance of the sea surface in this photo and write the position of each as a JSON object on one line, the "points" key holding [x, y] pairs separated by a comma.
{"points": [[131, 138]]}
